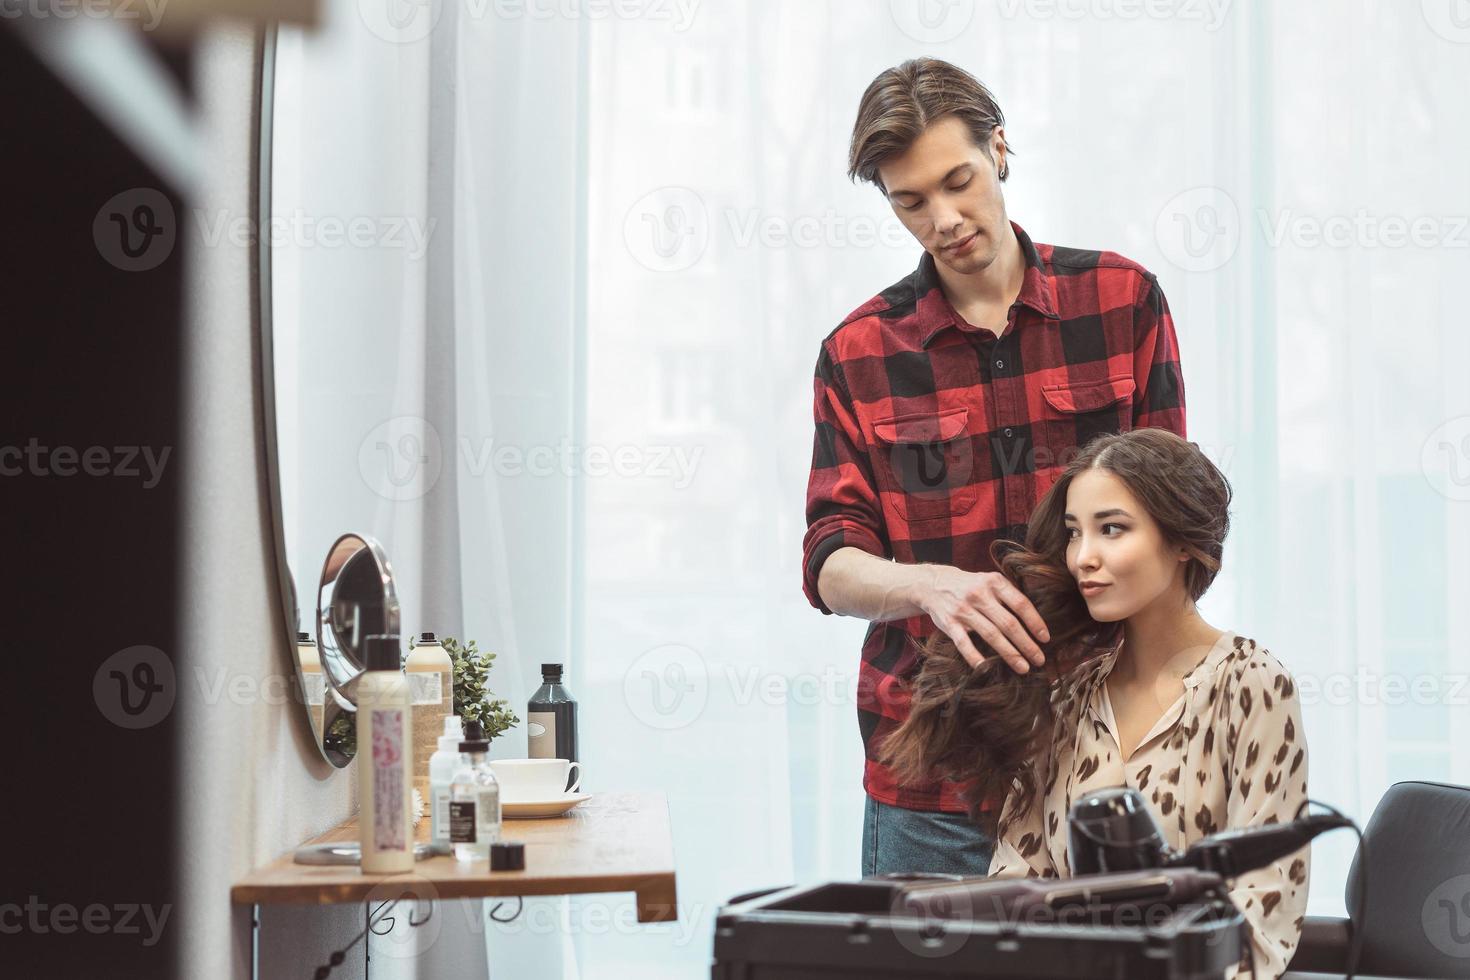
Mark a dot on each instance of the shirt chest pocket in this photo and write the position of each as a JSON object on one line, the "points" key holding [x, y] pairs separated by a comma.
{"points": [[1079, 412], [926, 464]]}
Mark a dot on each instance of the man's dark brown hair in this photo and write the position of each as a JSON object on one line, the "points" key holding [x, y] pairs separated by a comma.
{"points": [[902, 102]]}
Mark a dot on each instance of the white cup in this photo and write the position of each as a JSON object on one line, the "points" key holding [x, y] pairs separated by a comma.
{"points": [[534, 780]]}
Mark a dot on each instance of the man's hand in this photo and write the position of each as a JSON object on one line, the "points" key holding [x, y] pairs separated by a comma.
{"points": [[988, 605], [855, 583]]}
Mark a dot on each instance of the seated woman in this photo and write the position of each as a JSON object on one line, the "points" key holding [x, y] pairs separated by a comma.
{"points": [[1137, 690]]}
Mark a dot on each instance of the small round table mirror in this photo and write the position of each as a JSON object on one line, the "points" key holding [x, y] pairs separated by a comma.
{"points": [[355, 599]]}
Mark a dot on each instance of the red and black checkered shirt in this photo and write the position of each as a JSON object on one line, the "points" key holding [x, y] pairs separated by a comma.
{"points": [[934, 438]]}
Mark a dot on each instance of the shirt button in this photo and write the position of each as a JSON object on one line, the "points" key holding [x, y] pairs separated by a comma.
{"points": [[1008, 432], [1000, 365]]}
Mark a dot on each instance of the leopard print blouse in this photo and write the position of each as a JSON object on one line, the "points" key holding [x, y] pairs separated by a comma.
{"points": [[1229, 753]]}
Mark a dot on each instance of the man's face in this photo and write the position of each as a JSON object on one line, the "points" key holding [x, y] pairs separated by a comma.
{"points": [[945, 190]]}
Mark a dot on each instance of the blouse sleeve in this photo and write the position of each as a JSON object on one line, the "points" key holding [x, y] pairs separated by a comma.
{"points": [[1021, 851], [1265, 761]]}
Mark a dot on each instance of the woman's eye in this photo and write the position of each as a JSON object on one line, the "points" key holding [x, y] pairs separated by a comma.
{"points": [[960, 187], [1072, 531]]}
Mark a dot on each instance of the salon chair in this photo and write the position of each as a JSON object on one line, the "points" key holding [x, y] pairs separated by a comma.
{"points": [[1416, 920]]}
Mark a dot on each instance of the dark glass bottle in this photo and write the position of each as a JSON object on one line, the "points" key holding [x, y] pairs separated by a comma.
{"points": [[551, 720]]}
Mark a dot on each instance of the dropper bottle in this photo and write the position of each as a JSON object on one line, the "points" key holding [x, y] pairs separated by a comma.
{"points": [[442, 766], [474, 799]]}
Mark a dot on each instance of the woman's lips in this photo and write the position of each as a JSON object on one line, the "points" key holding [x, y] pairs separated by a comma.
{"points": [[1092, 590]]}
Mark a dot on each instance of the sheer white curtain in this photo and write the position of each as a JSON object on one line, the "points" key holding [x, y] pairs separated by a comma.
{"points": [[424, 354], [1325, 377], [644, 232]]}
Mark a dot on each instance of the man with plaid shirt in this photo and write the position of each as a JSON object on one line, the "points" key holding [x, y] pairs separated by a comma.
{"points": [[945, 407]]}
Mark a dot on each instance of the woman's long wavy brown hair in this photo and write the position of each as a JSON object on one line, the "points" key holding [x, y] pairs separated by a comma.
{"points": [[987, 726]]}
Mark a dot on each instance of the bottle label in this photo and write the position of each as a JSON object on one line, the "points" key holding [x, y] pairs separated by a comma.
{"points": [[439, 816], [462, 821], [389, 786], [425, 686], [541, 734]]}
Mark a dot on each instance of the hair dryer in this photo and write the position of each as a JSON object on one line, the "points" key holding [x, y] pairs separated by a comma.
{"points": [[1113, 830]]}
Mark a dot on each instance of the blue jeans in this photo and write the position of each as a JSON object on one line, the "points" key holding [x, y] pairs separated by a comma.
{"points": [[895, 839]]}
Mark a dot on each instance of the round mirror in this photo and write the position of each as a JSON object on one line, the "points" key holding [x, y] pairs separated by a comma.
{"points": [[328, 374], [355, 599]]}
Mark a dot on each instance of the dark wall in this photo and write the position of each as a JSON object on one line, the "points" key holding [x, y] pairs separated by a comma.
{"points": [[91, 381]]}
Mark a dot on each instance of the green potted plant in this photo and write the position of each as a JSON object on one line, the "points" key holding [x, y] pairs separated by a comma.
{"points": [[473, 700]]}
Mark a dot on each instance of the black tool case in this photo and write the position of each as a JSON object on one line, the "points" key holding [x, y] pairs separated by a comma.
{"points": [[863, 929]]}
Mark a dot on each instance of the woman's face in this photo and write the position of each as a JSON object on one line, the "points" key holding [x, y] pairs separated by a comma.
{"points": [[1113, 542]]}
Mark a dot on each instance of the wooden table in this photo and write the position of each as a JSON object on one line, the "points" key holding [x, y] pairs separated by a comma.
{"points": [[614, 842]]}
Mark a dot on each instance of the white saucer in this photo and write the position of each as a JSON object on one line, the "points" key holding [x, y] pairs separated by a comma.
{"points": [[531, 809]]}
